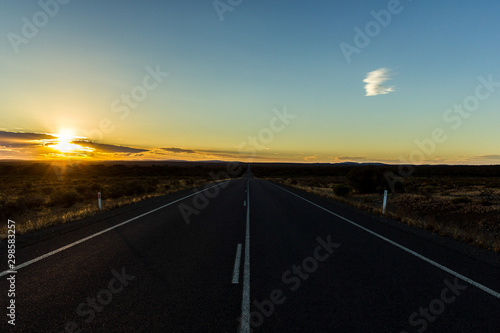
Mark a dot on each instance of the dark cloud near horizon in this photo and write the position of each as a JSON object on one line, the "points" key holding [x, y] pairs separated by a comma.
{"points": [[23, 140], [107, 148], [487, 157], [179, 150], [217, 153]]}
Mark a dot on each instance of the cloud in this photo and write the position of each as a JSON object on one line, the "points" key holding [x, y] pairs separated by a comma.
{"points": [[106, 148], [374, 81], [204, 153], [19, 139], [483, 158], [490, 157], [310, 158], [179, 150]]}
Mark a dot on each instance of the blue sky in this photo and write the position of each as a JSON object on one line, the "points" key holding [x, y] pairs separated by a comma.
{"points": [[226, 77]]}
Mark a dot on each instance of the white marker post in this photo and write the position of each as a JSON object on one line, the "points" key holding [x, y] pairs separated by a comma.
{"points": [[99, 200], [385, 202]]}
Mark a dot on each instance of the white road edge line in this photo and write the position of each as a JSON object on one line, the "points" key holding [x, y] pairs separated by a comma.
{"points": [[245, 302], [432, 262], [237, 261], [27, 263]]}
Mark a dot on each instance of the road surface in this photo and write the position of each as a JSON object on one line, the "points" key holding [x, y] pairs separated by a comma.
{"points": [[247, 255]]}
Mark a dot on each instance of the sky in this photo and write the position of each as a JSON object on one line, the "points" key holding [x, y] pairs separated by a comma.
{"points": [[324, 81]]}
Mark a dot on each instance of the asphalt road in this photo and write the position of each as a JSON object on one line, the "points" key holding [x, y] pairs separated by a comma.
{"points": [[251, 256]]}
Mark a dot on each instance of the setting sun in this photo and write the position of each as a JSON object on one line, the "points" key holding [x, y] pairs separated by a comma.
{"points": [[65, 143]]}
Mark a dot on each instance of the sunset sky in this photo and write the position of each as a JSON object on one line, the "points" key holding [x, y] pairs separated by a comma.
{"points": [[322, 81]]}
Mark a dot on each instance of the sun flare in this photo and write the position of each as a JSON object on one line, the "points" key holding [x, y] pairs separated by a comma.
{"points": [[66, 144]]}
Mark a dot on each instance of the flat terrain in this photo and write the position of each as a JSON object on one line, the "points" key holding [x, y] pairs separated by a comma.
{"points": [[307, 264]]}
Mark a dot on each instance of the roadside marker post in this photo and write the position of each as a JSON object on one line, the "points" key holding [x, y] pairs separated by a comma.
{"points": [[385, 202], [99, 200]]}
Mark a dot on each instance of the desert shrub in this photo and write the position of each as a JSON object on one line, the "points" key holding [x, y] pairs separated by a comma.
{"points": [[487, 194], [341, 190], [47, 190], [388, 180], [65, 198], [427, 191], [21, 205], [115, 191], [152, 181], [30, 201], [460, 200], [366, 179], [82, 189], [189, 181], [95, 187], [134, 188], [27, 187], [8, 210], [399, 187], [495, 183]]}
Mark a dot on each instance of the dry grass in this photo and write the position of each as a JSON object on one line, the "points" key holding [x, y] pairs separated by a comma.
{"points": [[470, 213]]}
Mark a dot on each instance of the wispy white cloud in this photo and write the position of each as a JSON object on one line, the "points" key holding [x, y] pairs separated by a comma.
{"points": [[374, 82]]}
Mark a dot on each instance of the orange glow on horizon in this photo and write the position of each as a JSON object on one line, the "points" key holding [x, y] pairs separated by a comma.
{"points": [[66, 146]]}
